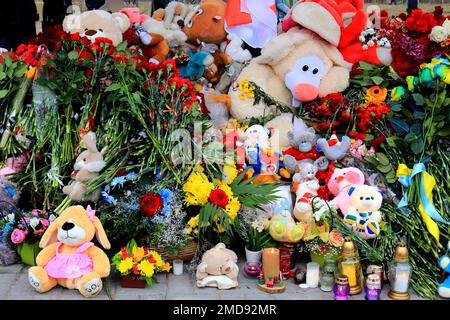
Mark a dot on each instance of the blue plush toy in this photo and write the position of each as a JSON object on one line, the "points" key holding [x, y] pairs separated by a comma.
{"points": [[196, 65], [444, 263]]}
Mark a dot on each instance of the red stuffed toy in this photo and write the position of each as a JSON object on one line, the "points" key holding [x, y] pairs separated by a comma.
{"points": [[340, 22]]}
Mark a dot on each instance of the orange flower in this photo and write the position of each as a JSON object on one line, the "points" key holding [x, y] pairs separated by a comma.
{"points": [[336, 239], [375, 95]]}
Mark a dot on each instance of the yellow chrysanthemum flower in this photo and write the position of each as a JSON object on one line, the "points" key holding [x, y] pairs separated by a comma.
{"points": [[125, 265], [193, 222], [233, 207], [222, 185], [230, 172], [138, 253], [146, 268]]}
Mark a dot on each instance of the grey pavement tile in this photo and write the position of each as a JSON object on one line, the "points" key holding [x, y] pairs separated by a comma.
{"points": [[13, 269]]}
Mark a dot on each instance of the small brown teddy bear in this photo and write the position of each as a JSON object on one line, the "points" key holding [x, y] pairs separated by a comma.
{"points": [[87, 166], [218, 268]]}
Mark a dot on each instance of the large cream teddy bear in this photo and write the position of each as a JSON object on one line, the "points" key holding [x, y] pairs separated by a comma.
{"points": [[218, 268], [293, 67], [98, 24]]}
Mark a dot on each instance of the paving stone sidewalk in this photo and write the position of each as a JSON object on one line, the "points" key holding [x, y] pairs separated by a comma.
{"points": [[14, 286]]}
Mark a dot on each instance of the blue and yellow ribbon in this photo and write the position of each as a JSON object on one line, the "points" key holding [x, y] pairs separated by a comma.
{"points": [[427, 209]]}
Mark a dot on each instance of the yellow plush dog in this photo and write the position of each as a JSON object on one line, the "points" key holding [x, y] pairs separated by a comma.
{"points": [[69, 258]]}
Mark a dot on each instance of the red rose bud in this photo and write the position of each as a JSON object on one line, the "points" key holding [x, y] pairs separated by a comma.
{"points": [[219, 197]]}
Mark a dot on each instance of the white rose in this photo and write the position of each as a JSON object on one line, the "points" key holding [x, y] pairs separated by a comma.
{"points": [[438, 34], [446, 25], [34, 222]]}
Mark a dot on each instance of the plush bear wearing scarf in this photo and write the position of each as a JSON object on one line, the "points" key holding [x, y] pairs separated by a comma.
{"points": [[68, 257], [364, 214]]}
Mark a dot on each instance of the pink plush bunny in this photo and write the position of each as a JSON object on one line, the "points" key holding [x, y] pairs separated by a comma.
{"points": [[340, 182]]}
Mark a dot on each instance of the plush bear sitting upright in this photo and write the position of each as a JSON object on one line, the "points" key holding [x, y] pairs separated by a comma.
{"points": [[68, 256], [363, 214], [340, 182], [98, 24]]}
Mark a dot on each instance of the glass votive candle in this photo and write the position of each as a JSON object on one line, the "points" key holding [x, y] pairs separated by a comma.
{"points": [[341, 288], [177, 267], [373, 287], [312, 274], [252, 269], [377, 269]]}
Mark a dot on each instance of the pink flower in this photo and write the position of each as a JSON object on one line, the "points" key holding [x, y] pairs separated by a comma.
{"points": [[44, 222], [36, 212], [17, 236]]}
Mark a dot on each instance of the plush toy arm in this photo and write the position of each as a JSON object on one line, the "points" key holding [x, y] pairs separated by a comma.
{"points": [[201, 271], [46, 255], [100, 261], [353, 29]]}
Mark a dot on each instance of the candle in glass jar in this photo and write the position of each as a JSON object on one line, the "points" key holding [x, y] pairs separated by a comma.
{"points": [[341, 288], [177, 267], [312, 274], [271, 263], [349, 270], [401, 280]]}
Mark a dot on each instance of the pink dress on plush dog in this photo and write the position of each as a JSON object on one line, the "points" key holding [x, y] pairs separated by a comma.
{"points": [[340, 182]]}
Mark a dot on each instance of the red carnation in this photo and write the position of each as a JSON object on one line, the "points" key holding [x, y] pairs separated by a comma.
{"points": [[219, 197], [150, 203]]}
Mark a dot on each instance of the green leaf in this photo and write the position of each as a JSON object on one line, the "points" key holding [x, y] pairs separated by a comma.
{"points": [[72, 55], [384, 169], [366, 66], [2, 75], [396, 107], [410, 137], [418, 99], [113, 87], [3, 93], [417, 146], [122, 46], [381, 157], [400, 124], [377, 80], [444, 132]]}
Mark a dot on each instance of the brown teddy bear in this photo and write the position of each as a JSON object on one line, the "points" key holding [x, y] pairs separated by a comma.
{"points": [[206, 23], [218, 268], [68, 256], [97, 24], [87, 166]]}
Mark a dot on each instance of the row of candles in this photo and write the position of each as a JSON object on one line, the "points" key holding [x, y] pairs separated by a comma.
{"points": [[344, 277]]}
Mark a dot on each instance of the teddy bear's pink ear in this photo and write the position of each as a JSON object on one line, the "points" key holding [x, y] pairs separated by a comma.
{"points": [[122, 21]]}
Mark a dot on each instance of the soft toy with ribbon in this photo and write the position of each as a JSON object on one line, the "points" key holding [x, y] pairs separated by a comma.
{"points": [[427, 209]]}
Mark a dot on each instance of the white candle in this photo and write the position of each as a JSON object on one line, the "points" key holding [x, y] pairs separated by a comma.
{"points": [[401, 280], [312, 274], [177, 267]]}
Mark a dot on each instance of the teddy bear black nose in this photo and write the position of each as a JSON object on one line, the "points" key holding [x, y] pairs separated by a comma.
{"points": [[67, 226], [180, 23], [368, 198], [90, 32]]}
